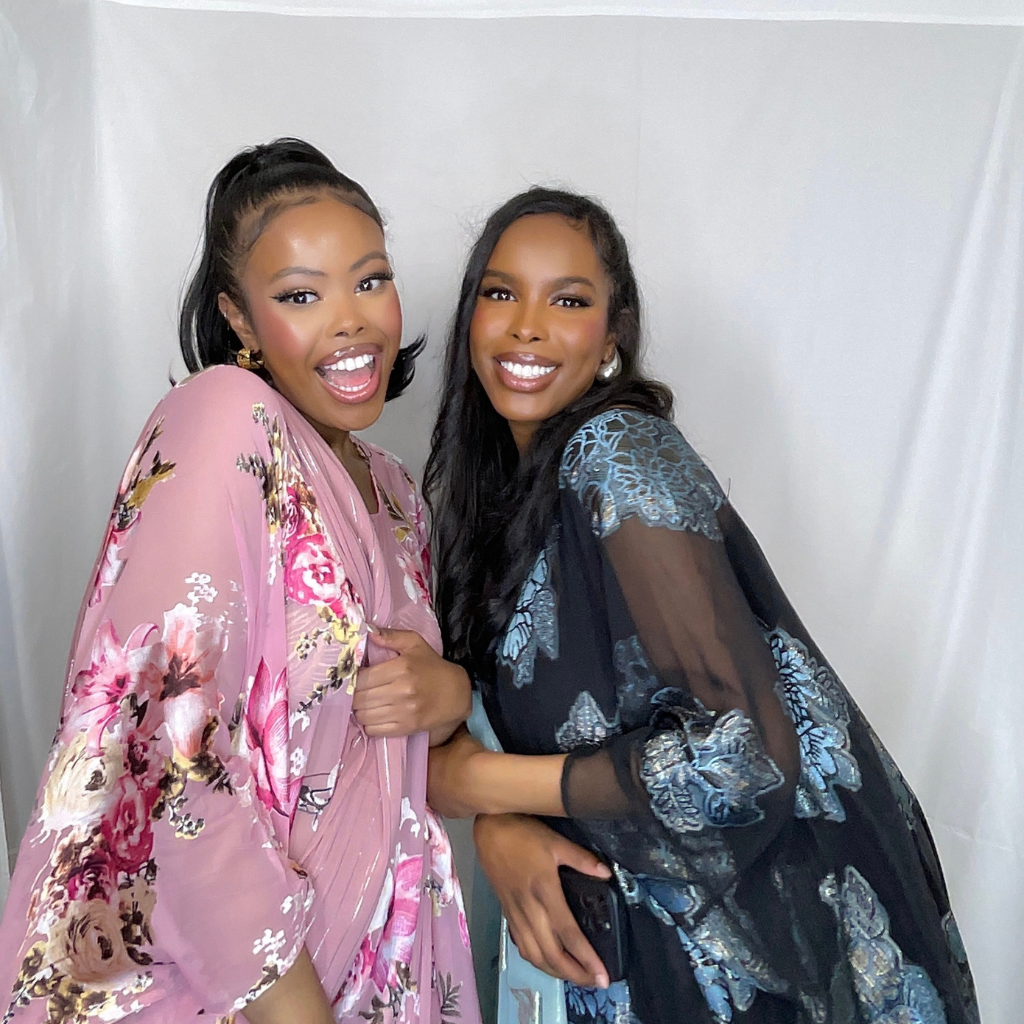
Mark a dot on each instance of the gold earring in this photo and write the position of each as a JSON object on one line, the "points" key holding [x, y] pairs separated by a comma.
{"points": [[249, 359]]}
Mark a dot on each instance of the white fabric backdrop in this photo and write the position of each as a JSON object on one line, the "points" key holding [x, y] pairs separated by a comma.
{"points": [[827, 221]]}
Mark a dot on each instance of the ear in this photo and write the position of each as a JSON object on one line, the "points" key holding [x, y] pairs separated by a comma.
{"points": [[238, 320], [610, 344]]}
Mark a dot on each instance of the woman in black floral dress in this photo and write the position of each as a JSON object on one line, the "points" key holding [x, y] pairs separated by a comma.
{"points": [[660, 704]]}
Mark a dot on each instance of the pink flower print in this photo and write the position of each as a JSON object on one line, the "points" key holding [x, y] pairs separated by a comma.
{"points": [[92, 872], [266, 730], [126, 828], [442, 864], [185, 720], [178, 671], [111, 563], [463, 929], [292, 516], [312, 575], [355, 981], [415, 581], [131, 494], [98, 690], [400, 930]]}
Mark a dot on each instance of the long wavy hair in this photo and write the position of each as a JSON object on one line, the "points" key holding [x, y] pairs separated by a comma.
{"points": [[493, 509], [248, 191]]}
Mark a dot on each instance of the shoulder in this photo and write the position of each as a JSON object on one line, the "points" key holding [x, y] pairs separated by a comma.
{"points": [[624, 463], [219, 406], [214, 423]]}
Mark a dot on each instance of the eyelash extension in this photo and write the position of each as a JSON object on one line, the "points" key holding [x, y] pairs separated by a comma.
{"points": [[284, 296], [379, 275]]}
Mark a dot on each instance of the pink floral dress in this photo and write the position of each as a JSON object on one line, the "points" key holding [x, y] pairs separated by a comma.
{"points": [[210, 804]]}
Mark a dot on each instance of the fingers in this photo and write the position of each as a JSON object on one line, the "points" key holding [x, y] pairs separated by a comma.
{"points": [[381, 690], [371, 676], [539, 944], [573, 856], [580, 950], [402, 640]]}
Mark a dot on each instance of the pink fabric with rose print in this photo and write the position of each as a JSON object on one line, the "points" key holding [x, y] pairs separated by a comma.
{"points": [[210, 804]]}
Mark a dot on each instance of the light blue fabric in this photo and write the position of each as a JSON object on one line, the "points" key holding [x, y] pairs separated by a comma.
{"points": [[525, 995]]}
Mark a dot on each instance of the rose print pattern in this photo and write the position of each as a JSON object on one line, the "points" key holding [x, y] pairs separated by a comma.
{"points": [[209, 698], [313, 574]]}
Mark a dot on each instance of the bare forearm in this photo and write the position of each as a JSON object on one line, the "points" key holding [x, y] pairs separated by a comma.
{"points": [[518, 784], [296, 998]]}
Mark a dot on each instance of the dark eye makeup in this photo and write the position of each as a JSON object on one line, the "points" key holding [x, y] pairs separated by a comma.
{"points": [[297, 297], [372, 281]]}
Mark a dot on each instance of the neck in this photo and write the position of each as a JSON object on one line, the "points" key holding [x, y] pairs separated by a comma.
{"points": [[340, 441], [522, 434]]}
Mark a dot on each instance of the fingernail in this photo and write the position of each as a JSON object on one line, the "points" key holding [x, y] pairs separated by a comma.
{"points": [[371, 628], [602, 980]]}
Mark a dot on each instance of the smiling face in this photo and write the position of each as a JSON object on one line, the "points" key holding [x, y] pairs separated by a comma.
{"points": [[323, 312], [539, 331]]}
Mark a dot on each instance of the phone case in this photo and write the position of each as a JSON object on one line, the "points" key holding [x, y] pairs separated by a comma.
{"points": [[599, 910]]}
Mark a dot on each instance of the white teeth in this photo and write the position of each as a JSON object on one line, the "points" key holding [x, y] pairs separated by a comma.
{"points": [[352, 363], [526, 371]]}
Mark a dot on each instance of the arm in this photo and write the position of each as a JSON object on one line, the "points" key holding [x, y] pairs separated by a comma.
{"points": [[151, 834], [297, 998], [464, 778]]}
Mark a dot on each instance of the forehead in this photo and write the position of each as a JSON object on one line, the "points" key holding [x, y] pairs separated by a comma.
{"points": [[547, 242], [321, 229]]}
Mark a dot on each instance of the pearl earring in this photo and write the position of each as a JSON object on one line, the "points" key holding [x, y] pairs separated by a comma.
{"points": [[610, 370]]}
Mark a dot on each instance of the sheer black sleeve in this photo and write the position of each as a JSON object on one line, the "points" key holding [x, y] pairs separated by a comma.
{"points": [[718, 750]]}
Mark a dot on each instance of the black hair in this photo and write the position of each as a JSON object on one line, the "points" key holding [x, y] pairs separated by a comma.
{"points": [[248, 191], [492, 510]]}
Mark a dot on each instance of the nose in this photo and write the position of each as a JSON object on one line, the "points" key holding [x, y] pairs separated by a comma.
{"points": [[528, 322], [347, 320]]}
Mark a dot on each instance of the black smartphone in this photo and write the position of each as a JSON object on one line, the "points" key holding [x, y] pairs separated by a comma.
{"points": [[600, 912]]}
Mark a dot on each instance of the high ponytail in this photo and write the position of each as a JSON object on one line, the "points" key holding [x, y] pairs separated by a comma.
{"points": [[248, 191]]}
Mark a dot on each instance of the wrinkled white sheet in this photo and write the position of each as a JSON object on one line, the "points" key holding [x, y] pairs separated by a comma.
{"points": [[827, 221]]}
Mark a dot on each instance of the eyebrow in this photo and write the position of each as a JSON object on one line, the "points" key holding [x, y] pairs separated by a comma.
{"points": [[377, 254], [298, 270], [558, 282]]}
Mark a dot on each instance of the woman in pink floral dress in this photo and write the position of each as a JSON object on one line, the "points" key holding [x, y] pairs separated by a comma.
{"points": [[232, 820]]}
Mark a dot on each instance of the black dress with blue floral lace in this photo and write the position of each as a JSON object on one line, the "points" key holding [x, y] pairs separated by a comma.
{"points": [[774, 863]]}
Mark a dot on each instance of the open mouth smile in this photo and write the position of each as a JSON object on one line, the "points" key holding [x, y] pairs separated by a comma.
{"points": [[352, 374]]}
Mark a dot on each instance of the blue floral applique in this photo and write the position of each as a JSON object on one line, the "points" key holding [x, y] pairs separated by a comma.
{"points": [[814, 699], [611, 1005], [719, 941], [889, 988], [533, 625], [586, 725], [640, 689], [708, 774], [625, 463]]}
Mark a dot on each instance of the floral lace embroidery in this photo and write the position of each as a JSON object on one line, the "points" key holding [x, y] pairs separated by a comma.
{"points": [[720, 941], [626, 463], [586, 725], [533, 625], [708, 775], [599, 1006], [814, 699], [890, 989]]}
